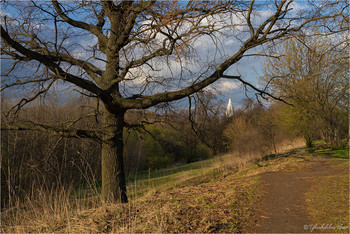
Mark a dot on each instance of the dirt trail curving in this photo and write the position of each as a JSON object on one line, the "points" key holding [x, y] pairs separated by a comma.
{"points": [[282, 207]]}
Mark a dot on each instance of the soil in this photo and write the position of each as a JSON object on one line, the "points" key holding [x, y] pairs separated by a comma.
{"points": [[282, 207]]}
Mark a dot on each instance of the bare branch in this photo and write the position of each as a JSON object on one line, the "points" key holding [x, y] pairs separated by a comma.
{"points": [[5, 86], [91, 28], [69, 133], [25, 101], [252, 31], [261, 92], [85, 84]]}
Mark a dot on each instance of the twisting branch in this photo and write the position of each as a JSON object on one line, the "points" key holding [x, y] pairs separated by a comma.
{"points": [[79, 24], [252, 32]]}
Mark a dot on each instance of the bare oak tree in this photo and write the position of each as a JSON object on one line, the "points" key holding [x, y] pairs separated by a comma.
{"points": [[138, 54]]}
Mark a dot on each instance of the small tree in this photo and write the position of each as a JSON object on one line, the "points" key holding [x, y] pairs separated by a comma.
{"points": [[137, 54]]}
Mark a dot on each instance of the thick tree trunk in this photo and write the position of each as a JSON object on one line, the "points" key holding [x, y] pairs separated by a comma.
{"points": [[113, 176]]}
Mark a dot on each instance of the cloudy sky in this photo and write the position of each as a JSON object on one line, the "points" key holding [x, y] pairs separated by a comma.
{"points": [[207, 54]]}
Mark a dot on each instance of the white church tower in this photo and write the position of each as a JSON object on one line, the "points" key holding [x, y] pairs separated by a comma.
{"points": [[229, 109]]}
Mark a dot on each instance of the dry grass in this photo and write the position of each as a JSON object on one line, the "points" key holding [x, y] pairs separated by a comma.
{"points": [[288, 145], [48, 212], [259, 166], [209, 196], [206, 199], [223, 203]]}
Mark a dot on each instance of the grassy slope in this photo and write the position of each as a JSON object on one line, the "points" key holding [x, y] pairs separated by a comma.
{"points": [[215, 195]]}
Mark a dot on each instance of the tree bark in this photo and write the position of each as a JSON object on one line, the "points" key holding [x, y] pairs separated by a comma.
{"points": [[113, 175]]}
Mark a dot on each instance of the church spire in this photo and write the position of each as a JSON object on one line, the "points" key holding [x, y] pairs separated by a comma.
{"points": [[229, 109]]}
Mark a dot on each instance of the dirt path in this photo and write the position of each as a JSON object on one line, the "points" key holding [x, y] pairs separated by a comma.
{"points": [[282, 207]]}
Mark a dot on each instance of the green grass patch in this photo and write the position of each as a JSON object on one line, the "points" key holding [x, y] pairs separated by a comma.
{"points": [[339, 156], [333, 153], [172, 170]]}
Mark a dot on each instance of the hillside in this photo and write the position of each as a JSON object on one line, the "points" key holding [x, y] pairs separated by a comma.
{"points": [[218, 195]]}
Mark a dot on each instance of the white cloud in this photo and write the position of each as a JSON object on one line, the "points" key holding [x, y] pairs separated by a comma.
{"points": [[224, 86], [227, 86]]}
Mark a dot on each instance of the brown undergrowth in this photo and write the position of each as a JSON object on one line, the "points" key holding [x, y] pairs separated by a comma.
{"points": [[217, 197], [222, 205]]}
